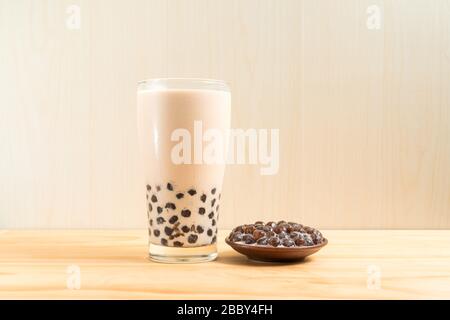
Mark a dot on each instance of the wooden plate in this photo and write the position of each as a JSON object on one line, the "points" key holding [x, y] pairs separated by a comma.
{"points": [[275, 254]]}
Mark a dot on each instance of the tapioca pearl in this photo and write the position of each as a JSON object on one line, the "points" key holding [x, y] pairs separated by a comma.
{"points": [[213, 190], [168, 231], [156, 232], [149, 188], [173, 219], [169, 186], [200, 229], [262, 241], [164, 242], [192, 238], [214, 240], [158, 188], [150, 207], [288, 242], [185, 229], [151, 222], [193, 228], [180, 195], [170, 205], [192, 192], [159, 209], [186, 213], [201, 210], [154, 199], [177, 244], [217, 208], [213, 222], [203, 198], [213, 202], [160, 220], [149, 232], [209, 232], [211, 215]]}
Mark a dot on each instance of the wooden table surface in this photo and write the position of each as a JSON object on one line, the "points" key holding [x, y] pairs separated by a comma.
{"points": [[113, 264]]}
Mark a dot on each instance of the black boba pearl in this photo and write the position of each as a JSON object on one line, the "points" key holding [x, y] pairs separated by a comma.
{"points": [[258, 234], [213, 191], [164, 242], [299, 242], [179, 195], [209, 232], [149, 187], [211, 215], [170, 205], [154, 198], [214, 239], [151, 222], [169, 187], [236, 237], [192, 238], [160, 220], [173, 219], [203, 197], [149, 232], [186, 213], [150, 207], [158, 188], [213, 222], [192, 192], [213, 202], [168, 231], [156, 232], [177, 244], [274, 241], [185, 229], [201, 210], [217, 208], [159, 209], [288, 242], [200, 229], [262, 241], [248, 239]]}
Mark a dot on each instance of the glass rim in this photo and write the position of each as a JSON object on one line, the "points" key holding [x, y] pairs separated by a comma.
{"points": [[154, 84]]}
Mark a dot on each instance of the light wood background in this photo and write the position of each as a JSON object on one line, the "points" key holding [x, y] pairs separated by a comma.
{"points": [[364, 115]]}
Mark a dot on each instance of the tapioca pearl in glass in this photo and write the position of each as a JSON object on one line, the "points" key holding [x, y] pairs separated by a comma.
{"points": [[192, 238], [170, 205], [186, 213], [173, 219], [160, 220]]}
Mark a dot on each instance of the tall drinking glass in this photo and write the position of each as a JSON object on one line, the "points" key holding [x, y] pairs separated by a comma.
{"points": [[182, 125]]}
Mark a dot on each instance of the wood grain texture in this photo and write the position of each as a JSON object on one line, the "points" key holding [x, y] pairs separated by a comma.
{"points": [[364, 115], [113, 264]]}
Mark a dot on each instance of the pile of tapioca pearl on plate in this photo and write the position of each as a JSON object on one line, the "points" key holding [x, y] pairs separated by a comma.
{"points": [[276, 234]]}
